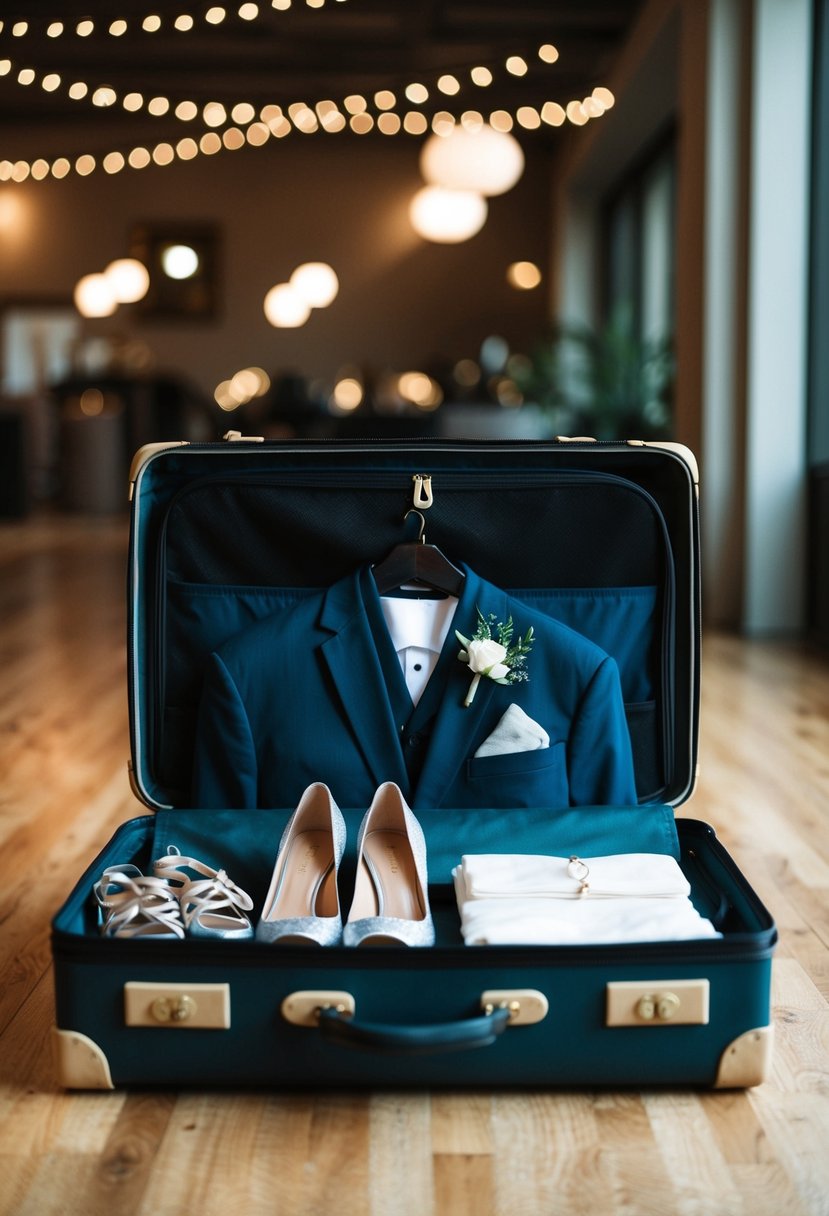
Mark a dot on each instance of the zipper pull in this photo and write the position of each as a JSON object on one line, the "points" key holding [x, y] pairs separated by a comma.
{"points": [[238, 437], [422, 496]]}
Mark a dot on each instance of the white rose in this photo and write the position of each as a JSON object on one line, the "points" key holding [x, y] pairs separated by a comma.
{"points": [[486, 657]]}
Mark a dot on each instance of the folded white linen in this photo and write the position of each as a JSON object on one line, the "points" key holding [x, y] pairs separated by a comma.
{"points": [[523, 899], [547, 922], [515, 732], [511, 875]]}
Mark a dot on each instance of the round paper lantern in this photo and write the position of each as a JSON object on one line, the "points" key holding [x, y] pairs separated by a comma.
{"points": [[486, 161], [285, 307], [129, 279], [94, 296], [316, 283], [447, 216]]}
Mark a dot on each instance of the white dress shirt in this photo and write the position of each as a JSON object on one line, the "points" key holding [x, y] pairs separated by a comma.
{"points": [[418, 629]]}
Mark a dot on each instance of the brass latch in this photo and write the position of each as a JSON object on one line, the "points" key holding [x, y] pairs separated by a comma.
{"points": [[657, 1002], [185, 1006], [173, 1008]]}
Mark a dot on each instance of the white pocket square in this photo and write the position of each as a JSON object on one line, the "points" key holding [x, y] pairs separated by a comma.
{"points": [[516, 732]]}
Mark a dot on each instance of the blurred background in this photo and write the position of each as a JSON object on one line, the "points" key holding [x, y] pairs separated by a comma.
{"points": [[350, 218]]}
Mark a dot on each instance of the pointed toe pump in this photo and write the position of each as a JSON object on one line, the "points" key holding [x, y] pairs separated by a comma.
{"points": [[302, 907], [391, 902]]}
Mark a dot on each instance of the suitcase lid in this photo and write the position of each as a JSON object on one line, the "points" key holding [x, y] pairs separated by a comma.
{"points": [[603, 536]]}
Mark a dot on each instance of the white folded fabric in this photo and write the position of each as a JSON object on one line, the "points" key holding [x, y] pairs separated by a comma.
{"points": [[517, 899], [515, 732], [507, 875]]}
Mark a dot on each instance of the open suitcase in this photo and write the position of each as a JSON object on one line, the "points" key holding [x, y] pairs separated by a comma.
{"points": [[600, 536]]}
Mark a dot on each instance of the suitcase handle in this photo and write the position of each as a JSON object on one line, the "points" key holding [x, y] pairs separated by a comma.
{"points": [[480, 1031]]}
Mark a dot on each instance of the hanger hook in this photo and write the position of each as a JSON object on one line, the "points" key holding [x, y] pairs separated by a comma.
{"points": [[421, 536]]}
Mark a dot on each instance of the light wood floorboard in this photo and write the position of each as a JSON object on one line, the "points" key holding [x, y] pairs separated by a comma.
{"points": [[764, 785]]}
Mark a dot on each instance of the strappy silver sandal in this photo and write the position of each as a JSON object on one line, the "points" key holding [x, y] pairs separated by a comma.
{"points": [[212, 905], [131, 904]]}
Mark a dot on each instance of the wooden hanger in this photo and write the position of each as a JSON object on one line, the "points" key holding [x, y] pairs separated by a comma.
{"points": [[417, 562]]}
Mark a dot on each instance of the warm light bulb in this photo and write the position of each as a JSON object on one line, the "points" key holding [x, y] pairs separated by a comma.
{"points": [[553, 113], [576, 114], [420, 389], [449, 85], [523, 275], [316, 283], [179, 261], [128, 278], [447, 216], [484, 160], [415, 123], [285, 308], [347, 394], [528, 117], [94, 296]]}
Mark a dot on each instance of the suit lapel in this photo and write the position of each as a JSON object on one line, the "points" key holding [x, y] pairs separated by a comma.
{"points": [[456, 724], [351, 655]]}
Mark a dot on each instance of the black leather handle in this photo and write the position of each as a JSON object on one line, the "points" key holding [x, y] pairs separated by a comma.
{"points": [[479, 1031]]}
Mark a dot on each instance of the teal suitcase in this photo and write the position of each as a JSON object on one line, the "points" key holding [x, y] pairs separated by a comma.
{"points": [[600, 536]]}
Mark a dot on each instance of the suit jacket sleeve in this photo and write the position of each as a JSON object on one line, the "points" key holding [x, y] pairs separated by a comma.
{"points": [[224, 766], [600, 758]]}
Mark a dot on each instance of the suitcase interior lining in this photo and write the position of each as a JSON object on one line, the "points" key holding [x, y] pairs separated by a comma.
{"points": [[231, 550]]}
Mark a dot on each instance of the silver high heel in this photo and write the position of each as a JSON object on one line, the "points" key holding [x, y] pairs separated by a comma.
{"points": [[212, 905], [391, 900], [302, 907], [132, 904]]}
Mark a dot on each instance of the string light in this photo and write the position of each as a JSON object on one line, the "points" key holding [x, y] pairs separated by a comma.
{"points": [[272, 121], [383, 99], [152, 23], [275, 124]]}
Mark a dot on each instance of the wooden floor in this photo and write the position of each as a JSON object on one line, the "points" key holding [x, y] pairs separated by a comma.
{"points": [[63, 789]]}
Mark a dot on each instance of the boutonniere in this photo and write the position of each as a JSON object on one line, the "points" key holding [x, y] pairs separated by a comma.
{"points": [[491, 652]]}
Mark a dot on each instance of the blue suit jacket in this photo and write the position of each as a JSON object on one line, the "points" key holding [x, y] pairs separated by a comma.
{"points": [[316, 693]]}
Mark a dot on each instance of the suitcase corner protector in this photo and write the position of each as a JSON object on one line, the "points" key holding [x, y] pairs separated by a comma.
{"points": [[746, 1061], [80, 1063]]}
